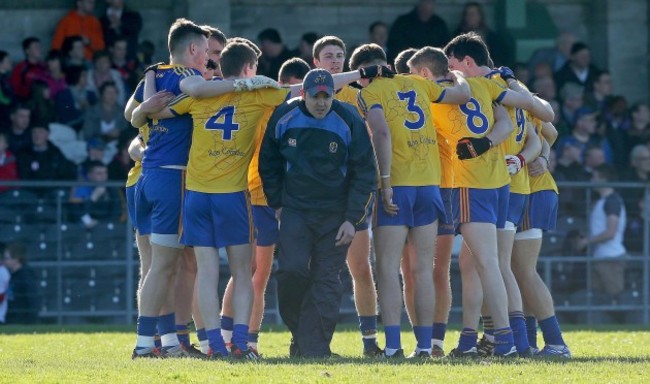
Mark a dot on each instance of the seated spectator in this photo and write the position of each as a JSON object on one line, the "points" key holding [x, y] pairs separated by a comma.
{"points": [[119, 167], [7, 98], [305, 47], [545, 88], [96, 149], [473, 20], [594, 158], [541, 70], [94, 203], [29, 69], [55, 77], [378, 34], [73, 102], [41, 103], [106, 118], [121, 23], [18, 135], [607, 224], [81, 22], [572, 99], [603, 89], [274, 53], [554, 58], [128, 68], [44, 161], [569, 165], [578, 69], [23, 298], [8, 168], [639, 132], [101, 73], [639, 169], [73, 52], [584, 134]]}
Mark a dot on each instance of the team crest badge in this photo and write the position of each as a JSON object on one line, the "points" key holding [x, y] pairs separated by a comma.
{"points": [[292, 142], [333, 147]]}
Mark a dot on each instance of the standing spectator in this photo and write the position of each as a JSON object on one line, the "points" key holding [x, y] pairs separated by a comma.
{"points": [[106, 118], [29, 69], [119, 22], [6, 91], [578, 69], [8, 169], [378, 34], [127, 68], [101, 73], [603, 88], [72, 102], [23, 297], [74, 52], [304, 50], [81, 22], [638, 172], [607, 226], [44, 161], [41, 103], [639, 132], [419, 28], [473, 20], [93, 203], [555, 57], [274, 53], [19, 136], [5, 277]]}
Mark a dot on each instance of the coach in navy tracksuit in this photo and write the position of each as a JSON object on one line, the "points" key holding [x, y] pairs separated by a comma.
{"points": [[318, 167]]}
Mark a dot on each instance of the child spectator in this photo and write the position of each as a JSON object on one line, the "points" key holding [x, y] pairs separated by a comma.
{"points": [[94, 203], [41, 103], [55, 76]]}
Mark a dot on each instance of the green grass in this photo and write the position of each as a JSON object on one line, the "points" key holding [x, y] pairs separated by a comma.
{"points": [[50, 354]]}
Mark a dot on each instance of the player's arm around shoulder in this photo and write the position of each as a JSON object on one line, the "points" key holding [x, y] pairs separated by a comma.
{"points": [[459, 93], [503, 126]]}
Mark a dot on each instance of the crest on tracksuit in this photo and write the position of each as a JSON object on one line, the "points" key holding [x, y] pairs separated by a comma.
{"points": [[334, 147]]}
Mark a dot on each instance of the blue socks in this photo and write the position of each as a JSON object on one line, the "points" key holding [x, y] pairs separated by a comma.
{"points": [[368, 327], [393, 337], [423, 336], [216, 341], [147, 329], [503, 341], [183, 334], [201, 334], [531, 329], [467, 340], [551, 331], [438, 331], [519, 332], [240, 336]]}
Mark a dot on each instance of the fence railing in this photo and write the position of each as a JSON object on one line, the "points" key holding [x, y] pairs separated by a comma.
{"points": [[90, 274]]}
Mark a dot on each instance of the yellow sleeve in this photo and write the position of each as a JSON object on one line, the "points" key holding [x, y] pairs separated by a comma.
{"points": [[368, 100], [181, 104], [273, 97], [435, 92], [497, 92]]}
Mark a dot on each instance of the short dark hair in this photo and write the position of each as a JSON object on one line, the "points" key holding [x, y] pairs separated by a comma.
{"points": [[18, 106], [17, 251], [68, 43], [402, 58], [578, 46], [432, 58], [469, 44], [270, 34], [54, 54], [294, 67], [310, 38], [375, 25], [105, 85], [73, 74], [367, 54], [94, 164], [325, 41], [100, 55], [215, 33], [29, 41], [3, 54], [234, 57], [244, 40], [183, 32], [607, 172]]}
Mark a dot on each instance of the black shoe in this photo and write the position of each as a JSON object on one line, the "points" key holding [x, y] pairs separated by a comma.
{"points": [[244, 354], [419, 355], [458, 354], [399, 354], [149, 353], [512, 353], [214, 355], [373, 351], [485, 347], [192, 351]]}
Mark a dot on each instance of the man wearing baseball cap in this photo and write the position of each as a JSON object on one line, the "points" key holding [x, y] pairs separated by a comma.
{"points": [[318, 172]]}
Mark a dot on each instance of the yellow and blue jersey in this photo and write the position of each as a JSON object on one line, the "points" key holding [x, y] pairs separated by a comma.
{"points": [[545, 181], [169, 139], [224, 137], [405, 102], [254, 179], [136, 170], [473, 119], [348, 95]]}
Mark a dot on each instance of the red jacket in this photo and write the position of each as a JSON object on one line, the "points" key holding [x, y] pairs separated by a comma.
{"points": [[23, 75], [74, 24], [8, 168]]}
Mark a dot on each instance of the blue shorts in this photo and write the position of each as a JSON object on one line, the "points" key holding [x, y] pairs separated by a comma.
{"points": [[448, 226], [365, 224], [517, 204], [130, 204], [541, 212], [217, 219], [266, 225], [483, 205], [158, 201], [418, 206]]}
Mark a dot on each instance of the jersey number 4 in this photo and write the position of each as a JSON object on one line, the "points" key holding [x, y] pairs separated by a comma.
{"points": [[476, 120], [222, 121], [410, 97]]}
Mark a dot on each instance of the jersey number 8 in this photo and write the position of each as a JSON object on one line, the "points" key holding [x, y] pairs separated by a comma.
{"points": [[222, 121], [476, 120]]}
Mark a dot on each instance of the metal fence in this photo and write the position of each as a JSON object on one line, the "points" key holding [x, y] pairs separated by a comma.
{"points": [[90, 274]]}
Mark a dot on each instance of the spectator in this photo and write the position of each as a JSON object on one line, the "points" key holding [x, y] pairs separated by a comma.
{"points": [[102, 73], [639, 132], [93, 203], [44, 161], [121, 23], [638, 172], [402, 59], [594, 158], [473, 20], [128, 68], [81, 22], [6, 91], [8, 169], [572, 98], [578, 69], [378, 34], [542, 70], [29, 69], [72, 102], [55, 77], [119, 167], [5, 277], [555, 57], [274, 53], [96, 152], [23, 297], [304, 50], [74, 53], [106, 118], [569, 165], [584, 134], [146, 51], [616, 123], [603, 88], [419, 28], [19, 136], [522, 73], [607, 225], [41, 103], [545, 88]]}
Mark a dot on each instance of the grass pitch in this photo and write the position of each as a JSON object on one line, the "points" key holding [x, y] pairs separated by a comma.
{"points": [[47, 354]]}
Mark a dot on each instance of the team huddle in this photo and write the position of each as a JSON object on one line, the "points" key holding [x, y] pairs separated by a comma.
{"points": [[439, 144]]}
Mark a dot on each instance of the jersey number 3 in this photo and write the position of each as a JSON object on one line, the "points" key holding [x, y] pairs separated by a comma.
{"points": [[413, 108], [222, 121], [476, 120]]}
